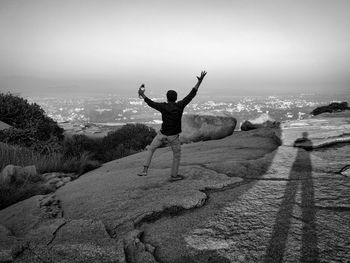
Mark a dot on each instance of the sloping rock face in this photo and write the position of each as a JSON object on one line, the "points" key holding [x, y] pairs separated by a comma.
{"points": [[296, 210], [94, 218], [197, 127], [250, 197]]}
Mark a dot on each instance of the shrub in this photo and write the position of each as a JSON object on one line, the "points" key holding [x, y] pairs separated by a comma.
{"points": [[129, 139], [29, 122], [131, 136], [75, 145]]}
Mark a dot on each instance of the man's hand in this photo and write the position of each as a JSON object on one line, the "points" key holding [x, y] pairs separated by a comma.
{"points": [[203, 73], [142, 91]]}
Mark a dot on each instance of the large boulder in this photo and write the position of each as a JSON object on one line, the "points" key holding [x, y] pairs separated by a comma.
{"points": [[202, 127], [17, 174], [333, 107], [264, 120]]}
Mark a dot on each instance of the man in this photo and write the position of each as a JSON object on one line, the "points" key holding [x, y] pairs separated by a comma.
{"points": [[171, 127]]}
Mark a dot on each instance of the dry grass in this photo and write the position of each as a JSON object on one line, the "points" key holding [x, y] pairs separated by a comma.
{"points": [[54, 162], [11, 193]]}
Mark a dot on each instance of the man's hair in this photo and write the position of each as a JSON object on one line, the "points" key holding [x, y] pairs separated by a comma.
{"points": [[171, 95]]}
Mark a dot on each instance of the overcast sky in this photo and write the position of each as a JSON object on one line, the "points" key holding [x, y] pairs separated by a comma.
{"points": [[247, 47]]}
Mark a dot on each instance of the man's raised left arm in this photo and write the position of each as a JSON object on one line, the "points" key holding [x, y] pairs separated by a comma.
{"points": [[155, 105]]}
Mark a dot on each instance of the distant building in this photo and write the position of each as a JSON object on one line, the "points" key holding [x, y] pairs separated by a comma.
{"points": [[4, 126]]}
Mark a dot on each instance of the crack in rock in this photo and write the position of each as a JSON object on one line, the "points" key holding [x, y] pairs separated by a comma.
{"points": [[55, 232], [51, 207], [136, 251], [345, 171]]}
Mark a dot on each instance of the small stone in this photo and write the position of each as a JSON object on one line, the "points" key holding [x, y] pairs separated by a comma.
{"points": [[66, 179], [30, 170], [346, 170], [59, 184], [49, 176], [6, 256], [47, 201], [150, 248], [54, 180]]}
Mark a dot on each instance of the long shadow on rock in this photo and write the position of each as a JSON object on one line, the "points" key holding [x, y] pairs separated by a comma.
{"points": [[300, 175], [157, 234]]}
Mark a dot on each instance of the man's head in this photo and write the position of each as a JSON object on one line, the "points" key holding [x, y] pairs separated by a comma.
{"points": [[171, 95]]}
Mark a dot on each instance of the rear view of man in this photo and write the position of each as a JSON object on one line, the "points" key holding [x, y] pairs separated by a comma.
{"points": [[171, 127]]}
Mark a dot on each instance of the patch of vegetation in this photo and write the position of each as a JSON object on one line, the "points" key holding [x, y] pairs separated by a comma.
{"points": [[31, 127], [36, 139], [21, 189], [129, 139]]}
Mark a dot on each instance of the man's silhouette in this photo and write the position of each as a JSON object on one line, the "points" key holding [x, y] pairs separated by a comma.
{"points": [[171, 127], [300, 177]]}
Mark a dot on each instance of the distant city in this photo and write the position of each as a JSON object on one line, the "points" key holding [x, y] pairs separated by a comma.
{"points": [[98, 115]]}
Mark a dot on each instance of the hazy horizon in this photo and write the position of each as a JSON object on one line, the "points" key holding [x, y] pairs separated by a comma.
{"points": [[73, 48]]}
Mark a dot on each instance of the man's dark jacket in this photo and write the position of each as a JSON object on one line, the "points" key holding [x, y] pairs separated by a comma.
{"points": [[171, 113]]}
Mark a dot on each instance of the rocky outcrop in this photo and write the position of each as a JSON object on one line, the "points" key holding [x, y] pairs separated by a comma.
{"points": [[295, 209], [333, 107], [97, 217], [250, 197], [263, 121], [198, 127]]}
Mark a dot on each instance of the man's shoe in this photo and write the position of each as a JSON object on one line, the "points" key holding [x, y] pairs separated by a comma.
{"points": [[177, 178], [142, 174]]}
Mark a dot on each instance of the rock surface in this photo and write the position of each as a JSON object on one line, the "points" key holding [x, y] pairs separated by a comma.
{"points": [[297, 210], [199, 127], [243, 199]]}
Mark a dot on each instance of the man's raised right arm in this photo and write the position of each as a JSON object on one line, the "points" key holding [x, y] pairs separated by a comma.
{"points": [[193, 92], [200, 79]]}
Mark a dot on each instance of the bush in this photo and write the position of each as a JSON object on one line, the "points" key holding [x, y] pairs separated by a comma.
{"points": [[75, 145], [129, 139], [132, 136], [29, 122]]}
